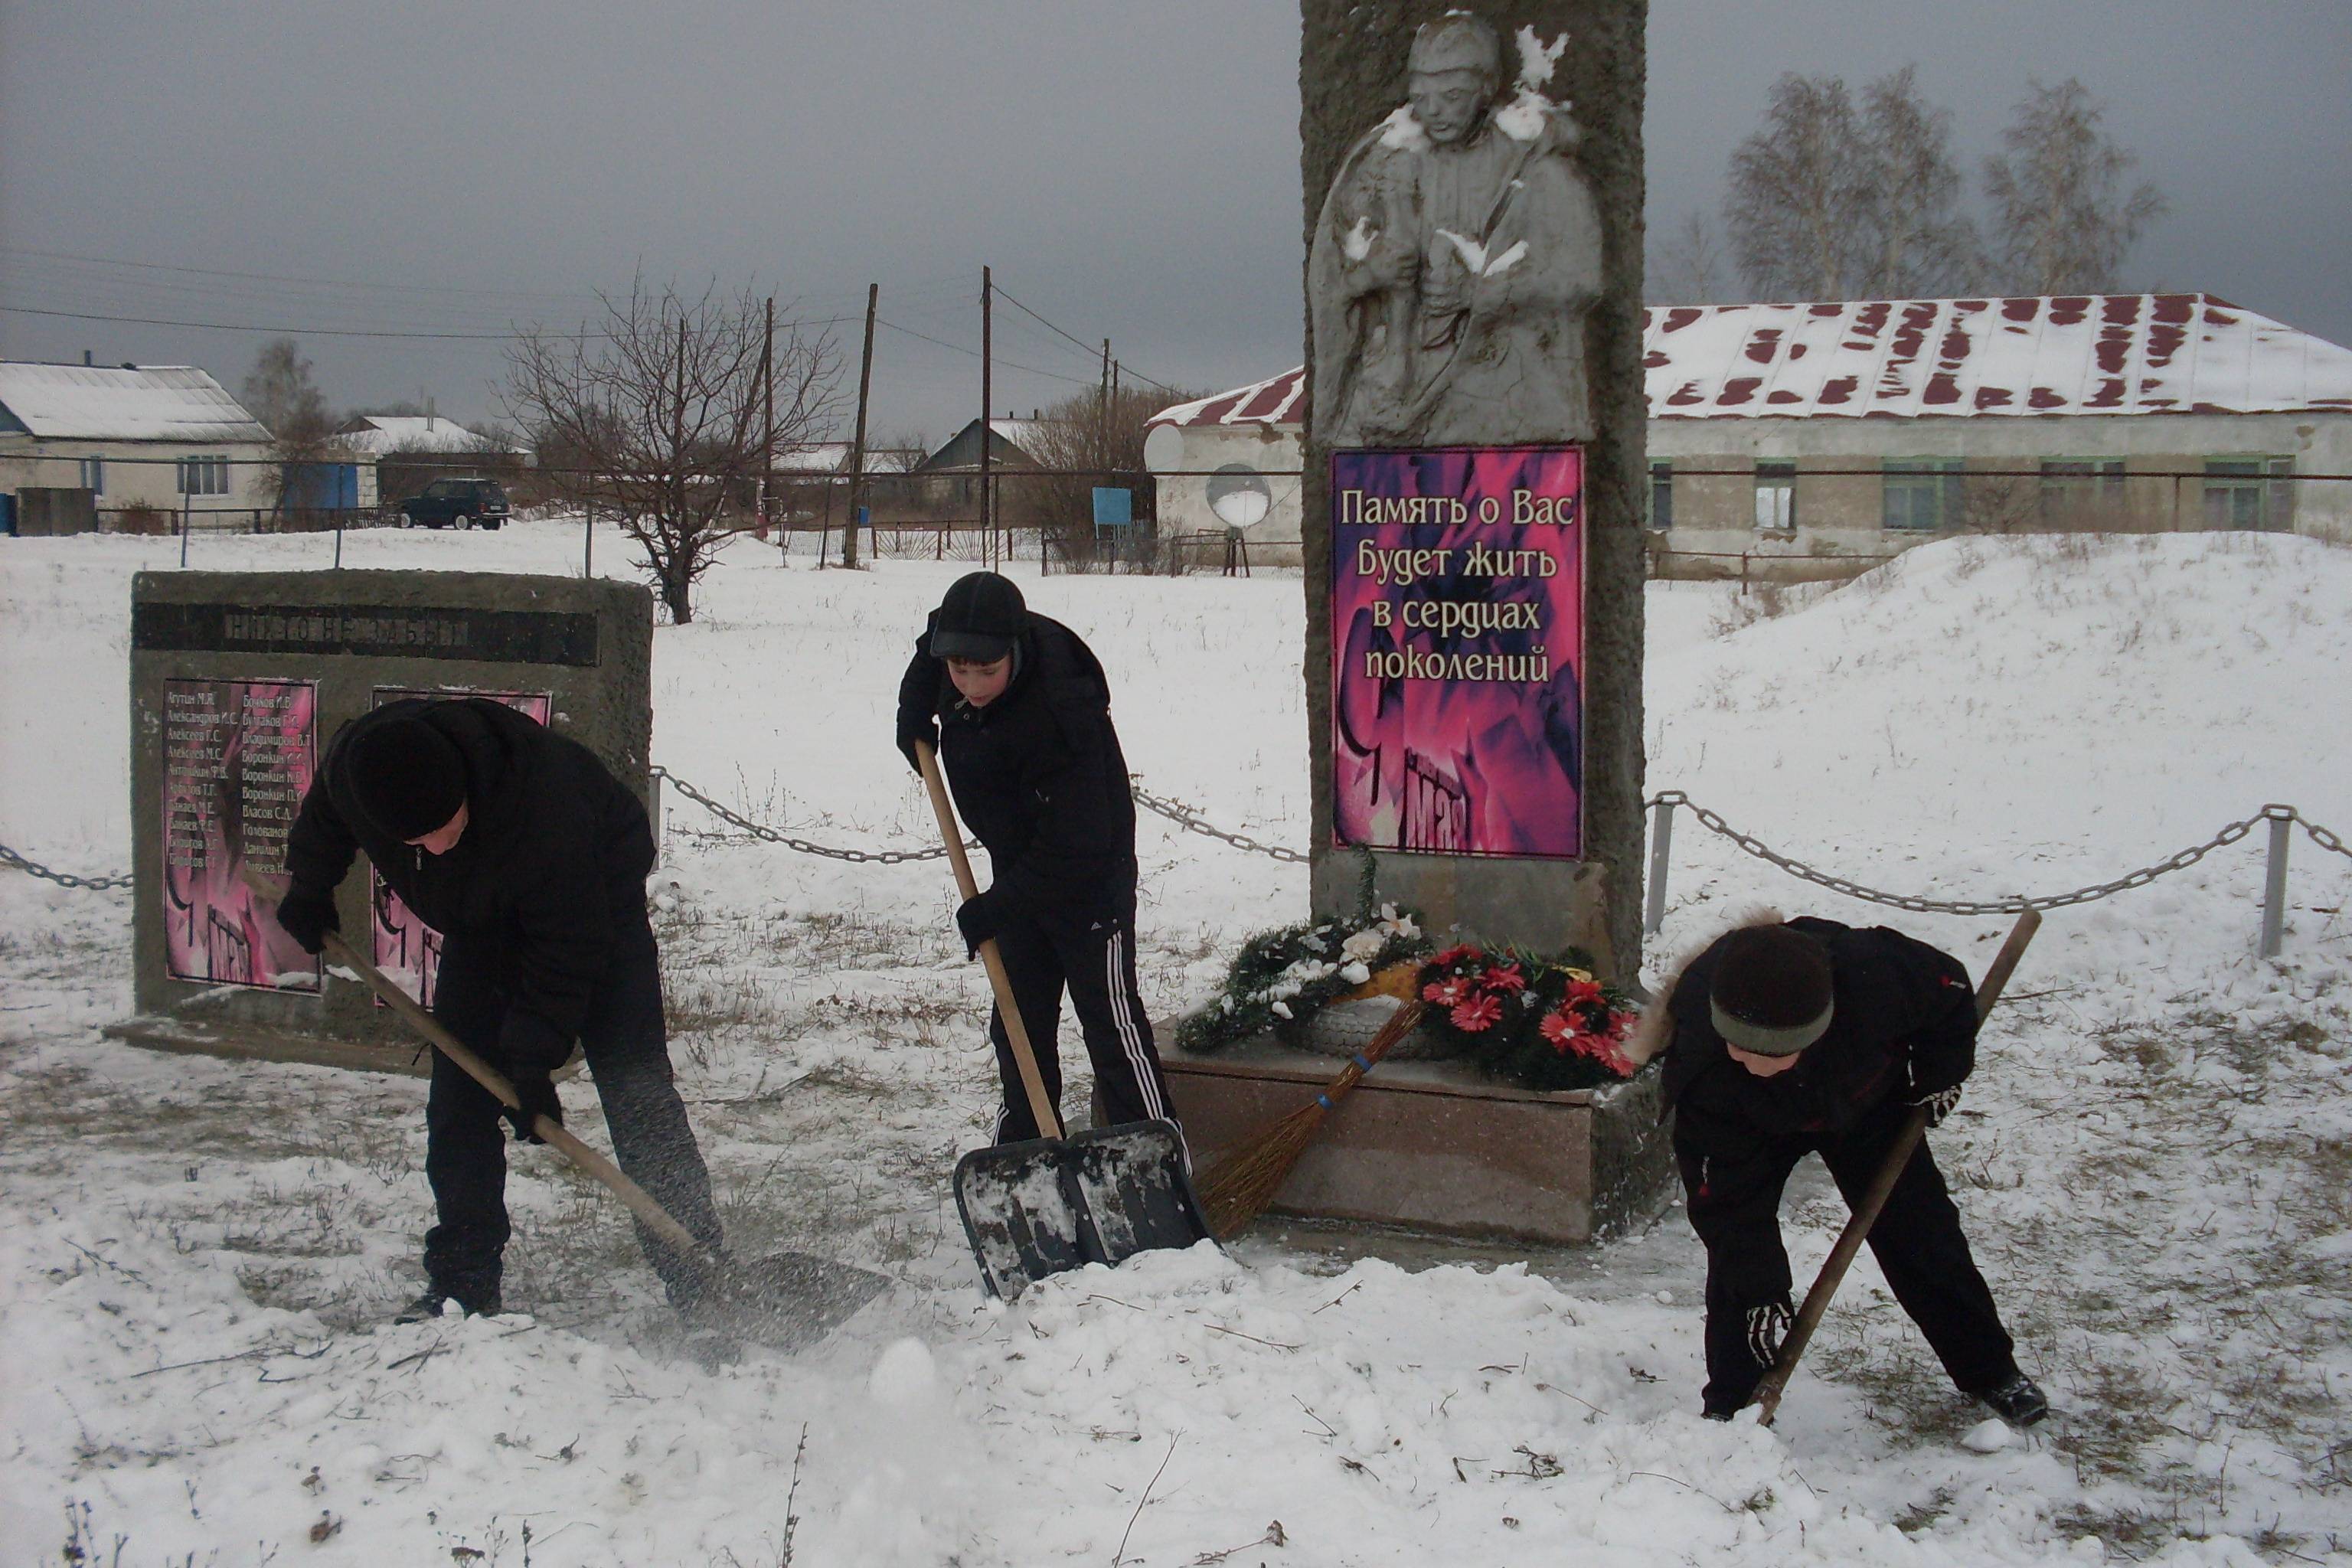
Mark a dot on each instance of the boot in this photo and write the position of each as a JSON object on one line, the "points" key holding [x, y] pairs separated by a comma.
{"points": [[2018, 1401], [436, 1302]]}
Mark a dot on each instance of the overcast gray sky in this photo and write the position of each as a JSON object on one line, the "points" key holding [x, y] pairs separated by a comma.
{"points": [[1131, 170]]}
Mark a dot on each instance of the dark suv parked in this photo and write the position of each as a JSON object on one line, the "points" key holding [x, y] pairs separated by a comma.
{"points": [[475, 503]]}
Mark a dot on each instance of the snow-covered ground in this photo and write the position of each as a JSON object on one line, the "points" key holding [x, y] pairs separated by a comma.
{"points": [[2155, 1160]]}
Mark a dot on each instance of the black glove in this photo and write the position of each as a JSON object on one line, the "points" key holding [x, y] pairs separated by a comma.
{"points": [[976, 918], [1937, 1105], [308, 914], [537, 1091], [1768, 1325], [923, 730]]}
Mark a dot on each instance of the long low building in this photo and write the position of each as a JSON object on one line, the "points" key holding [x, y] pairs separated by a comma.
{"points": [[1863, 427]]}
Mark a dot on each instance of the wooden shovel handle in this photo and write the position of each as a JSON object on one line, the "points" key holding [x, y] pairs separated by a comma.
{"points": [[1041, 1105], [639, 1201], [1866, 1213]]}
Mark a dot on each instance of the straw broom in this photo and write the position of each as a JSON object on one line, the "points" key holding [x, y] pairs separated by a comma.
{"points": [[1243, 1183]]}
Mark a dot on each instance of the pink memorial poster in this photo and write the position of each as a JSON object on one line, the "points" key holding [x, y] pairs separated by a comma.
{"points": [[1457, 648], [406, 948], [237, 757]]}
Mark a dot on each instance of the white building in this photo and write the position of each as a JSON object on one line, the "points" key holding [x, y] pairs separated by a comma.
{"points": [[155, 435], [1865, 427]]}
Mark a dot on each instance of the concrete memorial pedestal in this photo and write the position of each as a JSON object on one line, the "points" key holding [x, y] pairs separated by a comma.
{"points": [[1474, 577], [238, 682]]}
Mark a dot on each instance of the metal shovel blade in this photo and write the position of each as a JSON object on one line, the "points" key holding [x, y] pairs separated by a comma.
{"points": [[792, 1300], [1021, 1212], [1135, 1189]]}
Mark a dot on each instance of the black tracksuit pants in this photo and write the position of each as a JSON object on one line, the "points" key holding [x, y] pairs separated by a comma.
{"points": [[1093, 956], [626, 1044], [1734, 1204]]}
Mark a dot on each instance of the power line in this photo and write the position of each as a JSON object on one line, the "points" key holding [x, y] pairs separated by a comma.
{"points": [[1085, 348], [348, 332], [974, 353], [286, 277]]}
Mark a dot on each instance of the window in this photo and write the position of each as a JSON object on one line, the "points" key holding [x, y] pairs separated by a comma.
{"points": [[1776, 496], [2253, 492], [93, 475], [204, 476], [1923, 495], [1661, 494], [2081, 489]]}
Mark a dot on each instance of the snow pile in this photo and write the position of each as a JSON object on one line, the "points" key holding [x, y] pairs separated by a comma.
{"points": [[2155, 1160]]}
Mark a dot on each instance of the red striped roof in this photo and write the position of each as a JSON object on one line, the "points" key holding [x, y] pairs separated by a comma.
{"points": [[2080, 354]]}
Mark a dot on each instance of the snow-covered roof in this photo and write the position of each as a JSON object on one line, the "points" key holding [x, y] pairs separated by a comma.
{"points": [[124, 403], [1904, 359], [832, 458], [380, 432]]}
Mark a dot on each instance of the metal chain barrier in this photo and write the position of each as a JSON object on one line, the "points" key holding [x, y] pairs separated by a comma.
{"points": [[2137, 879], [1191, 821], [62, 878], [874, 856]]}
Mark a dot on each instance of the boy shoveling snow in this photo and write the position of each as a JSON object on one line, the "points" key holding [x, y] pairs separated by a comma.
{"points": [[1816, 1038], [531, 859]]}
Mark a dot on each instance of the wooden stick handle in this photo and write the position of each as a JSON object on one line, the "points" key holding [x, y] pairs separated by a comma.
{"points": [[1865, 1214], [640, 1202], [1041, 1104]]}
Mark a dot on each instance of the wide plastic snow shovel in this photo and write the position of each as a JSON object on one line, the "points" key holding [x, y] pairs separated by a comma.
{"points": [[787, 1300], [1866, 1213], [1050, 1204]]}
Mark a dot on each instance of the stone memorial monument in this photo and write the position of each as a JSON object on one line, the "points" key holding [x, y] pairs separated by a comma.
{"points": [[1473, 578], [238, 682], [1473, 449]]}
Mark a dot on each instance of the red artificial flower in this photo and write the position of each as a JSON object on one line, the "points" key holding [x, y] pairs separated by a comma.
{"points": [[1557, 1028], [1581, 991], [1476, 1015], [1504, 977], [1453, 955], [1604, 1050], [1445, 993]]}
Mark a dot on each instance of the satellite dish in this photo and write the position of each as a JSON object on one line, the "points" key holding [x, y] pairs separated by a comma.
{"points": [[1239, 496]]}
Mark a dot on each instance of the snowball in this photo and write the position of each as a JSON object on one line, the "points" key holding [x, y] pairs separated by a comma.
{"points": [[904, 1375], [1989, 1436]]}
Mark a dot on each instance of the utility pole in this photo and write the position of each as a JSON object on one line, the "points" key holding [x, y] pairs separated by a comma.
{"points": [[767, 428], [857, 446], [987, 477]]}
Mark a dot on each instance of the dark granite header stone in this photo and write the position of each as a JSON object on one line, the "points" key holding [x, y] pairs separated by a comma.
{"points": [[486, 636]]}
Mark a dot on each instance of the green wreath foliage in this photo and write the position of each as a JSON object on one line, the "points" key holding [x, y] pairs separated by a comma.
{"points": [[1282, 977]]}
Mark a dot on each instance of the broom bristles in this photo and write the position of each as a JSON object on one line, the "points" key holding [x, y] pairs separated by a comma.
{"points": [[1241, 1185]]}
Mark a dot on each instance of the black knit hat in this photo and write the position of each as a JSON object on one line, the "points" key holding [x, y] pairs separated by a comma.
{"points": [[981, 619], [1772, 990], [409, 777]]}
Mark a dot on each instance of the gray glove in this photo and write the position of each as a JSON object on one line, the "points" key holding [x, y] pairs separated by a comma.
{"points": [[1768, 1325], [1937, 1105]]}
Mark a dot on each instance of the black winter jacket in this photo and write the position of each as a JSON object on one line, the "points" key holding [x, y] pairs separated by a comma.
{"points": [[1903, 1022], [1037, 774], [551, 863]]}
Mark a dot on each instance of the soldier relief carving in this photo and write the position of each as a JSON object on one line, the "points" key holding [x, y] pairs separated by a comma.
{"points": [[1457, 253]]}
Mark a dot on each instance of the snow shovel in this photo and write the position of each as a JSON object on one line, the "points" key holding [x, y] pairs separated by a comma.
{"points": [[789, 1299], [1865, 1214], [1050, 1204]]}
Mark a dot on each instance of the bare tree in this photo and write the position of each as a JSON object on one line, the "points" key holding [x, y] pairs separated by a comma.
{"points": [[2061, 219], [1088, 440], [1919, 242], [658, 412], [1685, 266], [280, 392], [1798, 191]]}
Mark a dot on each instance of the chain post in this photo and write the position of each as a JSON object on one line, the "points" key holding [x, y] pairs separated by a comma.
{"points": [[2281, 821], [1662, 838]]}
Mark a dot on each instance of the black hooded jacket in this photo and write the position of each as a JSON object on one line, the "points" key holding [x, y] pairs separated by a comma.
{"points": [[1902, 1020], [552, 861], [1037, 774]]}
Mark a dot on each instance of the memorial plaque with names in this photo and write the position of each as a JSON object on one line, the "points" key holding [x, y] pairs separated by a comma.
{"points": [[381, 631], [238, 756]]}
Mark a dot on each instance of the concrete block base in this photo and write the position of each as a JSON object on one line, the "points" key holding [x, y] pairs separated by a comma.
{"points": [[1435, 1146]]}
